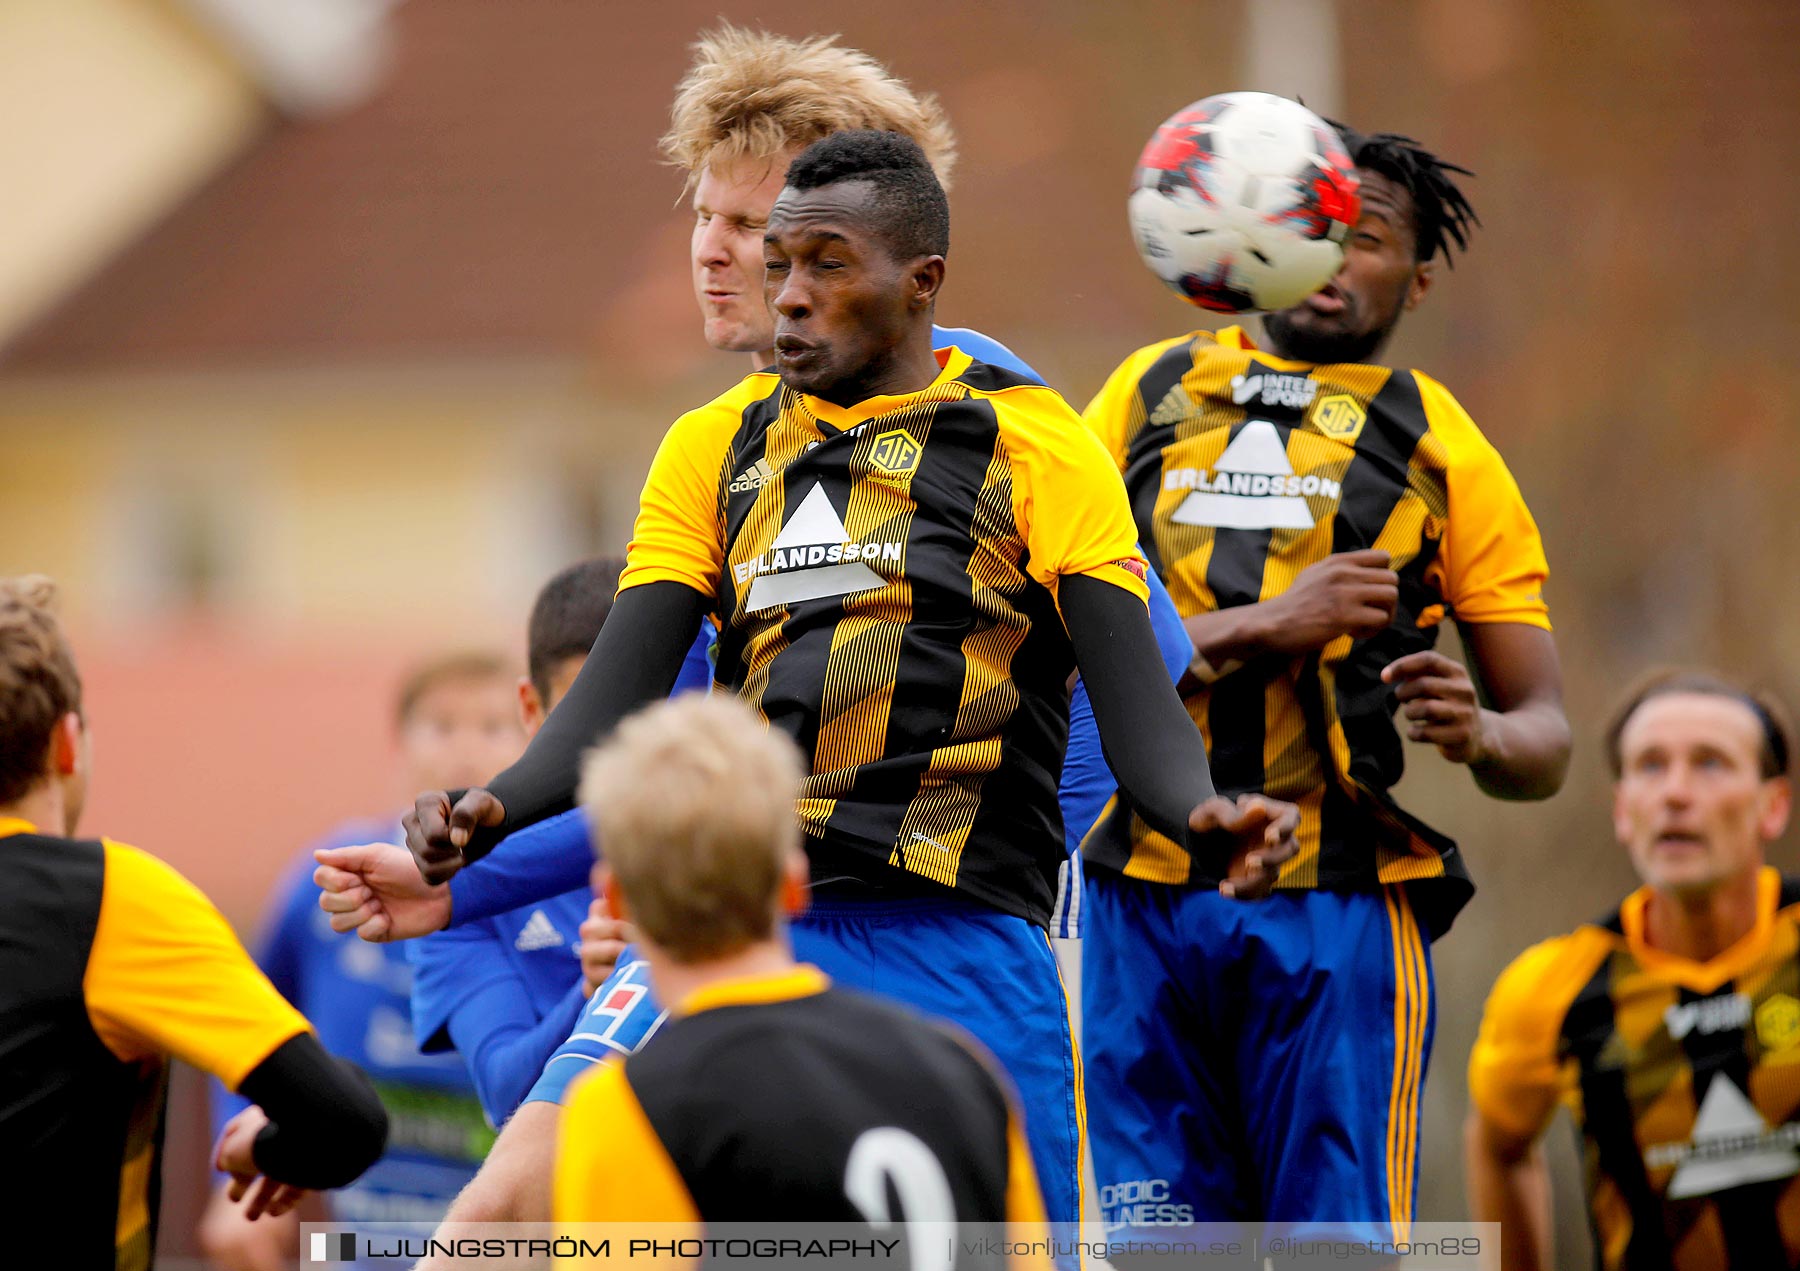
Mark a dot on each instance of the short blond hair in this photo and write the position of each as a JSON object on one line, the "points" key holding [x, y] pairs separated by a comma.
{"points": [[692, 806], [38, 681], [752, 95]]}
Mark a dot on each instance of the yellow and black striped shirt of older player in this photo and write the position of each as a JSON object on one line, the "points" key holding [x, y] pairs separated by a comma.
{"points": [[1243, 469], [1683, 1079], [780, 1099], [111, 963], [884, 579]]}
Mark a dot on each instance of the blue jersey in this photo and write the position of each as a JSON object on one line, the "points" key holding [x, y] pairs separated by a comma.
{"points": [[621, 1016], [1087, 783], [356, 995], [504, 991]]}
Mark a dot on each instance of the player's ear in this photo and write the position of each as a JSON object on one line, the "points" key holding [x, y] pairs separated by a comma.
{"points": [[531, 707], [1423, 275], [612, 894], [65, 745], [927, 281], [1777, 804], [796, 885]]}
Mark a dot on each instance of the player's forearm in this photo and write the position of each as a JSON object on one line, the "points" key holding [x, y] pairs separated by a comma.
{"points": [[1524, 753], [506, 1057], [634, 662], [1151, 744], [326, 1124], [1509, 1184], [513, 1183], [1227, 638]]}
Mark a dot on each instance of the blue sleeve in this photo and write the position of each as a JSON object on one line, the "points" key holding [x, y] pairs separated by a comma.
{"points": [[505, 1045], [1087, 782], [529, 865], [1171, 632], [622, 1015], [697, 672], [983, 349]]}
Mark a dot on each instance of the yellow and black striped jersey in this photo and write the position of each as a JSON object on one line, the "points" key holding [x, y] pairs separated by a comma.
{"points": [[1683, 1079], [1243, 469], [781, 1099], [884, 580], [110, 963]]}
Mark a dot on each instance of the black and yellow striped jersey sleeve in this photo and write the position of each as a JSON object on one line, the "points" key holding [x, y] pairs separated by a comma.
{"points": [[1517, 1071], [167, 975], [1490, 566], [679, 533]]}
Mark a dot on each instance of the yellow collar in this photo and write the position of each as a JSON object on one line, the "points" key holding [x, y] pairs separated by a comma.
{"points": [[952, 363], [753, 990], [10, 825], [1728, 964]]}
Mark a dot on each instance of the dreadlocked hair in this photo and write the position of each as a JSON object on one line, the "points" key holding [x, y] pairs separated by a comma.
{"points": [[1442, 213]]}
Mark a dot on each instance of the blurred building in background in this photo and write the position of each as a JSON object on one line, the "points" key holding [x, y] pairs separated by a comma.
{"points": [[328, 330]]}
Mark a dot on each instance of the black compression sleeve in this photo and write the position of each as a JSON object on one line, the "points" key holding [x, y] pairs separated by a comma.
{"points": [[634, 662], [326, 1124], [1151, 745]]}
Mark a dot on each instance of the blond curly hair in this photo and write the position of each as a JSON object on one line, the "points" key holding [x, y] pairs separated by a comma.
{"points": [[752, 95]]}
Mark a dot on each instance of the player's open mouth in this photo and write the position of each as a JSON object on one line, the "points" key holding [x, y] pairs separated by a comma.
{"points": [[791, 348], [1327, 301], [1681, 840]]}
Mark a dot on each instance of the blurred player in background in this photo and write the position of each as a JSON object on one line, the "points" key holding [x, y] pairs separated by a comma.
{"points": [[506, 991], [694, 801], [1267, 1061], [456, 717], [111, 963], [1671, 1028], [933, 812]]}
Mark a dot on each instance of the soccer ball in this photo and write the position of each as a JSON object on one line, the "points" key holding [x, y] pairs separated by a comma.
{"points": [[1242, 202]]}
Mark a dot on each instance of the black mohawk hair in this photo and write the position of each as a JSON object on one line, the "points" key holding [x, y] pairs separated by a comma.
{"points": [[1442, 213]]}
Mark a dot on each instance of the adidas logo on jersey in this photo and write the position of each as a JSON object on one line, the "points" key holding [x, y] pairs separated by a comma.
{"points": [[538, 933], [1731, 1146], [1295, 392], [755, 477], [1252, 487], [813, 557]]}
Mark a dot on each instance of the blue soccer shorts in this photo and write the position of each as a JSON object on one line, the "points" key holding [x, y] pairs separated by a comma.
{"points": [[1255, 1061]]}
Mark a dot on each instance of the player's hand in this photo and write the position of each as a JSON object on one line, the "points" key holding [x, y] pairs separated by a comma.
{"points": [[1347, 593], [603, 939], [1438, 698], [1261, 832], [437, 833], [375, 890], [235, 1155]]}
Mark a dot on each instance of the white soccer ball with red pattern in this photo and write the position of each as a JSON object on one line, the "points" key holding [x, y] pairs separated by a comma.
{"points": [[1242, 202]]}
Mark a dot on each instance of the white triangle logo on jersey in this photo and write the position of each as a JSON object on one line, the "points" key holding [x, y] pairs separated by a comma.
{"points": [[538, 933], [1250, 487], [814, 521], [812, 558], [1732, 1146]]}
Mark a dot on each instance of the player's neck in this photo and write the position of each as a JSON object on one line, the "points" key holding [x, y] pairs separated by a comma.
{"points": [[1701, 927], [760, 361], [909, 368], [42, 805], [677, 981]]}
